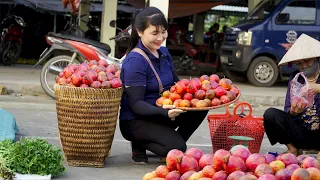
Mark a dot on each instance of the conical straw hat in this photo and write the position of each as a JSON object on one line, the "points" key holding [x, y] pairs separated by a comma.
{"points": [[305, 47]]}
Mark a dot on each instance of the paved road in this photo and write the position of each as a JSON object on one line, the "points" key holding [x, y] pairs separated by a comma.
{"points": [[26, 80], [36, 117]]}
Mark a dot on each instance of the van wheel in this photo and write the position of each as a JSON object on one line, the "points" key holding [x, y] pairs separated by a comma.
{"points": [[263, 72], [236, 76]]}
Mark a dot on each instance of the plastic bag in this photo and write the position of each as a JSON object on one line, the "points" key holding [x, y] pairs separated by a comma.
{"points": [[300, 91], [31, 177]]}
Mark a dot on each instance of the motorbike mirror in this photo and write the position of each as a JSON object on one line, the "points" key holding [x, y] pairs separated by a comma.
{"points": [[112, 23]]}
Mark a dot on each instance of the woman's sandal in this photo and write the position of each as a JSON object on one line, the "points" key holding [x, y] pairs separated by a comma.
{"points": [[140, 160], [139, 155]]}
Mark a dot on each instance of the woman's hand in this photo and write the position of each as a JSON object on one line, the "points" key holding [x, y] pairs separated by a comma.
{"points": [[314, 87], [173, 113], [297, 107]]}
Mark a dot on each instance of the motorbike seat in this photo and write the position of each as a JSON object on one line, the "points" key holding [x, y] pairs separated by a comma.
{"points": [[83, 40]]}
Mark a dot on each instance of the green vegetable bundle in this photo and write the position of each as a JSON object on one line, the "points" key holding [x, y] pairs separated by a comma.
{"points": [[5, 173], [32, 156]]}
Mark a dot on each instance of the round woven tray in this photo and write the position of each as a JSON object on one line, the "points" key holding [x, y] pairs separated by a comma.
{"points": [[211, 107], [87, 119]]}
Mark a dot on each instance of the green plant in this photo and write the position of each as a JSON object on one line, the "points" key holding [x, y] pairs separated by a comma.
{"points": [[33, 156], [229, 21]]}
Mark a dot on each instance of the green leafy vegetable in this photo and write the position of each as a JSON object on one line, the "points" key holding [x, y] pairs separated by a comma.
{"points": [[32, 156], [5, 172]]}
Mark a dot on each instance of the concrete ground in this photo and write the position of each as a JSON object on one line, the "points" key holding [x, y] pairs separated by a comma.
{"points": [[26, 80], [36, 117]]}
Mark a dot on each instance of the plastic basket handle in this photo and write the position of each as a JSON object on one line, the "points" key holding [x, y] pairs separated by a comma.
{"points": [[227, 111], [243, 105], [228, 106]]}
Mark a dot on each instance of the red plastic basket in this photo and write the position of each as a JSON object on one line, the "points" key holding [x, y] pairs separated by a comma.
{"points": [[223, 125]]}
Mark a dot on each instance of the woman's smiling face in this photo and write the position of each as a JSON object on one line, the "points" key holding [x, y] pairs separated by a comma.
{"points": [[153, 37]]}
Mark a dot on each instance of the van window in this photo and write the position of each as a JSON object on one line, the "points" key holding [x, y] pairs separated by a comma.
{"points": [[300, 12], [263, 9]]}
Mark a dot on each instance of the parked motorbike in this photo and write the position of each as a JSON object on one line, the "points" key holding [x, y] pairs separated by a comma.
{"points": [[72, 27], [93, 31], [200, 58], [11, 39], [67, 49]]}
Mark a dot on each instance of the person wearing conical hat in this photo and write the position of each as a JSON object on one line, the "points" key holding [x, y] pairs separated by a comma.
{"points": [[297, 126]]}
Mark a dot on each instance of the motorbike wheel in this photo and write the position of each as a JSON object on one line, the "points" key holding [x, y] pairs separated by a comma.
{"points": [[47, 83], [11, 53], [176, 64]]}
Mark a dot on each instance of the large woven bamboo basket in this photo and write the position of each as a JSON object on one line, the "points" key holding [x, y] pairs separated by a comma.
{"points": [[87, 119]]}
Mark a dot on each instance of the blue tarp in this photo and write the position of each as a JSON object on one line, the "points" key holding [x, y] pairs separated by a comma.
{"points": [[55, 6], [8, 126]]}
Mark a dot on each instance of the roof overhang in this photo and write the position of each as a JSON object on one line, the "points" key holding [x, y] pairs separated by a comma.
{"points": [[180, 8]]}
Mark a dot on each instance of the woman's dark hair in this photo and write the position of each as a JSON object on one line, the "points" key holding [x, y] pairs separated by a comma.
{"points": [[141, 20]]}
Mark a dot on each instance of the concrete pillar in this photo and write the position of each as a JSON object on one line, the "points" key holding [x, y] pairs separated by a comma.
{"points": [[198, 28], [109, 13], [252, 4], [163, 5], [84, 12]]}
